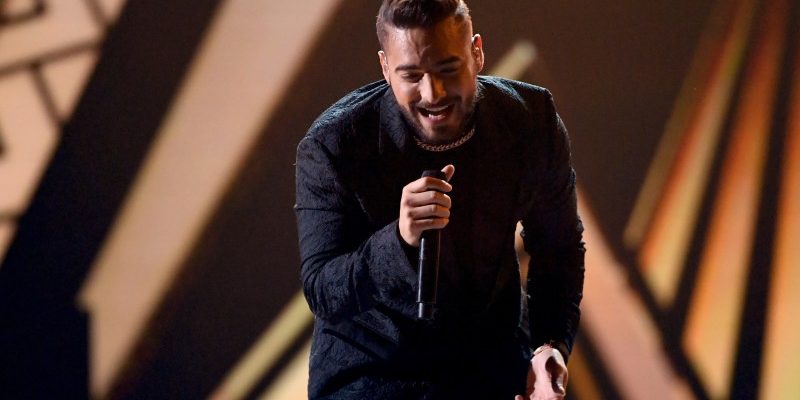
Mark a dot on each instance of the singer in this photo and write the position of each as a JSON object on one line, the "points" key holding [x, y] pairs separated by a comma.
{"points": [[362, 208]]}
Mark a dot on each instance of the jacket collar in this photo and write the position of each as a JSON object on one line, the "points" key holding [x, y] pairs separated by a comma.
{"points": [[394, 130]]}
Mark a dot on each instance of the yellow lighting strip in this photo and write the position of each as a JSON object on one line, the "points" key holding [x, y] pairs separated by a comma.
{"points": [[29, 139], [708, 57], [582, 382], [613, 313], [7, 229], [782, 352], [714, 318], [518, 59], [235, 83], [663, 251], [292, 383], [288, 326]]}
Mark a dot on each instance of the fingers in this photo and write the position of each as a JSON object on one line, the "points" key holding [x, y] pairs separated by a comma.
{"points": [[449, 170], [428, 183], [429, 211], [424, 205], [558, 371], [550, 376], [427, 198], [560, 383], [546, 391], [429, 223], [424, 217]]}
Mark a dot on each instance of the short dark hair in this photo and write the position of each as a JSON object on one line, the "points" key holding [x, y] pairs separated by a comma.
{"points": [[418, 14]]}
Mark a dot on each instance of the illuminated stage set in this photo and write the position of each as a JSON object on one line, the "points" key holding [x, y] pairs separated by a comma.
{"points": [[149, 246]]}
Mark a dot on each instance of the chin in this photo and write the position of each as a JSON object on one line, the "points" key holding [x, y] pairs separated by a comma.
{"points": [[446, 137], [440, 133]]}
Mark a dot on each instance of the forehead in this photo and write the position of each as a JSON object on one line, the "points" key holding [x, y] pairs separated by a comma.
{"points": [[445, 39]]}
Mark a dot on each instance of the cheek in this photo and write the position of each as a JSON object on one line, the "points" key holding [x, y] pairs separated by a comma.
{"points": [[406, 94], [461, 86]]}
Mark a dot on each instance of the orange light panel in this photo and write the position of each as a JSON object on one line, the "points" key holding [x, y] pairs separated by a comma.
{"points": [[782, 352], [663, 253], [714, 317]]}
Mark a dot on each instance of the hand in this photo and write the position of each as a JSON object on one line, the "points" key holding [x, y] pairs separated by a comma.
{"points": [[424, 205], [547, 377]]}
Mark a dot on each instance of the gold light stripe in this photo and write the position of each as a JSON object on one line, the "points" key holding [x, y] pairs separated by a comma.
{"points": [[707, 58], [663, 253], [66, 79], [66, 23], [613, 313], [7, 229], [29, 139], [582, 382], [111, 8], [516, 61], [235, 82], [782, 352], [262, 357], [292, 383], [714, 318]]}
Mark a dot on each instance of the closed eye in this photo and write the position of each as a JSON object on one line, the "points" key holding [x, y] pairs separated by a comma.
{"points": [[411, 77]]}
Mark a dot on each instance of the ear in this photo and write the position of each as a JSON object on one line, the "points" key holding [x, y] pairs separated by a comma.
{"points": [[384, 62], [477, 51]]}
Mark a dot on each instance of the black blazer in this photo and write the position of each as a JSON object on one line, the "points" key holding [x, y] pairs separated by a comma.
{"points": [[359, 277]]}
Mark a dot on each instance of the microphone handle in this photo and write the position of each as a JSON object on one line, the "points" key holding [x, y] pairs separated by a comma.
{"points": [[428, 265], [428, 273]]}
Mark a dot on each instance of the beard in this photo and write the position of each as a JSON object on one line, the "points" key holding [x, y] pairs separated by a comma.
{"points": [[465, 124]]}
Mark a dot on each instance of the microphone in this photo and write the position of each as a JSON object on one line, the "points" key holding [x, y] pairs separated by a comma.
{"points": [[428, 265]]}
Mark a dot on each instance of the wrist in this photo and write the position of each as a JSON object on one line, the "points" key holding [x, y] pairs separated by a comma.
{"points": [[542, 348], [410, 251]]}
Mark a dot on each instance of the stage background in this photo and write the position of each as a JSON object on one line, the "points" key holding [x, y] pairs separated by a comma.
{"points": [[147, 237]]}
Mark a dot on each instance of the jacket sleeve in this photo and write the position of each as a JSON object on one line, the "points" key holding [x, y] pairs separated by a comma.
{"points": [[346, 268], [552, 234]]}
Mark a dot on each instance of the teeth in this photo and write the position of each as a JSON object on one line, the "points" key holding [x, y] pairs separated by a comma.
{"points": [[434, 112]]}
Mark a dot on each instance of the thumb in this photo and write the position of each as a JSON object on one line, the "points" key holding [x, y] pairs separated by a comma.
{"points": [[559, 385], [518, 397], [449, 170]]}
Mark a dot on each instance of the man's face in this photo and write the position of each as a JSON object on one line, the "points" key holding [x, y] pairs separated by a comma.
{"points": [[433, 72]]}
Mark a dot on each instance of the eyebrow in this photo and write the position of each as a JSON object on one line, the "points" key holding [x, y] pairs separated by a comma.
{"points": [[411, 67]]}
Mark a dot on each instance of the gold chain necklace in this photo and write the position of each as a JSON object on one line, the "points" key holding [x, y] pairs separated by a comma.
{"points": [[447, 146]]}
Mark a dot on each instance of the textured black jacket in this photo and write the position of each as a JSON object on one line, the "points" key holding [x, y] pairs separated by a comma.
{"points": [[359, 277]]}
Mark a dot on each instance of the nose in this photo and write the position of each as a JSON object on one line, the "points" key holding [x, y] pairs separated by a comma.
{"points": [[433, 89]]}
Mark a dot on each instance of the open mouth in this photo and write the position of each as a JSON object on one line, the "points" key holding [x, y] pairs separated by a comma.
{"points": [[436, 113]]}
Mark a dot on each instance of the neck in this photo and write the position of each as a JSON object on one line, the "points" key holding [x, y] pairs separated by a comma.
{"points": [[445, 146]]}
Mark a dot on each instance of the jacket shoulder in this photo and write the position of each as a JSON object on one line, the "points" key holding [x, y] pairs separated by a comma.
{"points": [[348, 116], [514, 93]]}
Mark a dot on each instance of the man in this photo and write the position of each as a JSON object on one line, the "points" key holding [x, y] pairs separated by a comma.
{"points": [[361, 209]]}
